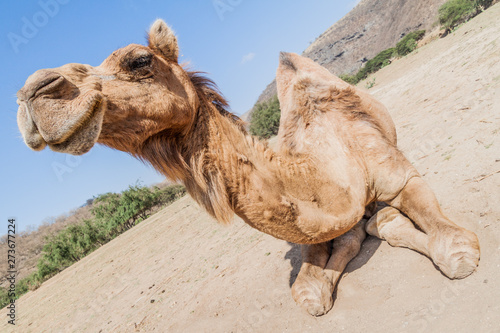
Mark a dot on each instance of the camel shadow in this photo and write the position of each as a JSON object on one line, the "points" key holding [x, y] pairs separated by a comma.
{"points": [[295, 258], [368, 249]]}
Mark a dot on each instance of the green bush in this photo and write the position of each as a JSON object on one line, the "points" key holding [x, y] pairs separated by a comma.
{"points": [[373, 65], [455, 12], [113, 214], [409, 43], [30, 282], [4, 297], [351, 79], [121, 212], [405, 46], [170, 194], [265, 120]]}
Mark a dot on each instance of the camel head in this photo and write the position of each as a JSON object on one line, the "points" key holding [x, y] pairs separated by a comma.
{"points": [[136, 92]]}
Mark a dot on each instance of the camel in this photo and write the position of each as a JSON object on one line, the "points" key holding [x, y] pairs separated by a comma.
{"points": [[337, 155]]}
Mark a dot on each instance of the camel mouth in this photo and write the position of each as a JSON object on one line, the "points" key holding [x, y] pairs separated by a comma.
{"points": [[71, 127], [81, 138]]}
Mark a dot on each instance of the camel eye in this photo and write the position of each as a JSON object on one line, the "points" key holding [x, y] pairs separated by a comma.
{"points": [[140, 62]]}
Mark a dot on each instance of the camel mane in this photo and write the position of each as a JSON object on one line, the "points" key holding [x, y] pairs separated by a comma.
{"points": [[187, 157], [208, 91]]}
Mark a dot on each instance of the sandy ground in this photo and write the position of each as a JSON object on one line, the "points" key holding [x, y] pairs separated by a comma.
{"points": [[181, 272]]}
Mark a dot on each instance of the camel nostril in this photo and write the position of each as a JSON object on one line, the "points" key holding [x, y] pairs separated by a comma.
{"points": [[40, 82], [48, 85]]}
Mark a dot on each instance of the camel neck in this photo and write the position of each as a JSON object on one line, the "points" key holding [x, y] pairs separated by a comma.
{"points": [[221, 162]]}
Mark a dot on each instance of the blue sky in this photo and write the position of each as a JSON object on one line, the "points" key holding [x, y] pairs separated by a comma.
{"points": [[236, 41]]}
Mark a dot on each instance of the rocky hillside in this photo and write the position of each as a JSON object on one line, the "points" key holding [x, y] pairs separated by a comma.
{"points": [[372, 26]]}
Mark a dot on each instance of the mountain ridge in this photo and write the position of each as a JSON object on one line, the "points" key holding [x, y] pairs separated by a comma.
{"points": [[359, 35]]}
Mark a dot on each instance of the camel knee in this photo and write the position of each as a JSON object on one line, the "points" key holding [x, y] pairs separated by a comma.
{"points": [[380, 220]]}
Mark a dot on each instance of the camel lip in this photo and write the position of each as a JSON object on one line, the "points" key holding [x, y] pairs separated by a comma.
{"points": [[31, 135], [82, 121], [94, 111]]}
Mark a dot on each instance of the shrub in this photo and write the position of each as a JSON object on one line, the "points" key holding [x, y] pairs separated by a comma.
{"points": [[351, 79], [455, 12], [265, 119], [373, 65], [405, 46], [113, 214], [170, 194], [4, 297], [409, 43], [30, 282]]}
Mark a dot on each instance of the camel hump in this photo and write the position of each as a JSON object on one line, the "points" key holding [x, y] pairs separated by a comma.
{"points": [[307, 90]]}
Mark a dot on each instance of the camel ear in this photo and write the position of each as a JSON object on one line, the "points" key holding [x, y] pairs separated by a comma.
{"points": [[162, 40]]}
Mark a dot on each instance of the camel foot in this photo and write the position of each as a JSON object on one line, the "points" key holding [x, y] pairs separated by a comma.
{"points": [[313, 292], [456, 252]]}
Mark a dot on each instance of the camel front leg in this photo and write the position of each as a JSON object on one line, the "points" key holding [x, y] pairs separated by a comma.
{"points": [[389, 224], [322, 266], [312, 289], [345, 248], [453, 249]]}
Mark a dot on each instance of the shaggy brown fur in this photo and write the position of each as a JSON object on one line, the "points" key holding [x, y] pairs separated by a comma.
{"points": [[337, 154], [176, 157]]}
